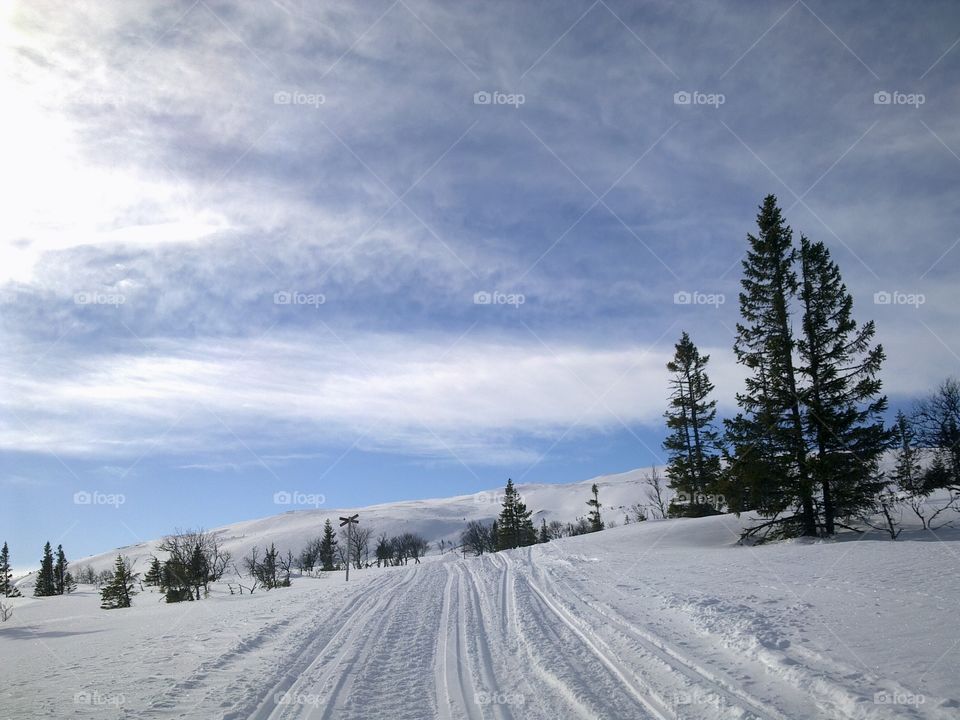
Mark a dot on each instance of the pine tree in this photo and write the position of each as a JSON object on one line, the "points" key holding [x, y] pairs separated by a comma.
{"points": [[769, 462], [596, 523], [514, 527], [694, 463], [60, 573], [46, 584], [328, 547], [842, 406], [6, 575], [198, 570], [907, 472], [154, 575], [119, 588], [544, 533]]}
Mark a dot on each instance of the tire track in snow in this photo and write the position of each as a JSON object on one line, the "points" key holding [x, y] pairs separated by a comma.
{"points": [[366, 601], [474, 616], [247, 648], [660, 650], [458, 699], [734, 699], [391, 665], [580, 668]]}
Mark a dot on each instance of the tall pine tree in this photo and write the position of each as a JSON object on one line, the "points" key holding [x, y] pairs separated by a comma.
{"points": [[46, 584], [693, 443], [514, 526], [6, 574], [593, 517], [842, 405], [328, 548], [61, 582], [769, 462], [907, 471]]}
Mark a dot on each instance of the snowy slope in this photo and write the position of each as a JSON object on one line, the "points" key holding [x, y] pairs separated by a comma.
{"points": [[660, 620], [435, 519]]}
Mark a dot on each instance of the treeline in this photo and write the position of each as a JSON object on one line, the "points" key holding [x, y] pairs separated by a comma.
{"points": [[53, 577], [804, 450], [514, 527]]}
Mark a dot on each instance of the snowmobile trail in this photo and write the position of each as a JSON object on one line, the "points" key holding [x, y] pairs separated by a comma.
{"points": [[574, 629], [504, 636]]}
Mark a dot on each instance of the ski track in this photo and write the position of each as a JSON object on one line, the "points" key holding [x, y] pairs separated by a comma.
{"points": [[519, 634]]}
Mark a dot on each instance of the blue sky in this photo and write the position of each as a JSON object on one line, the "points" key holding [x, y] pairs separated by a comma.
{"points": [[242, 243]]}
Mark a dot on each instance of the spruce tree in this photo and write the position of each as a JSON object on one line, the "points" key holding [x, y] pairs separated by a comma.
{"points": [[769, 462], [596, 523], [45, 585], [907, 471], [514, 527], [198, 570], [60, 572], [328, 548], [842, 405], [119, 588], [154, 575], [544, 535], [693, 442], [6, 575]]}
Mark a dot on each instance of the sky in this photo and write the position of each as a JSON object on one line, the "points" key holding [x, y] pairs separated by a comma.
{"points": [[348, 253]]}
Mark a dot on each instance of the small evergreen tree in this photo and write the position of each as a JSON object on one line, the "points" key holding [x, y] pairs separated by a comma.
{"points": [[154, 575], [60, 572], [544, 533], [596, 523], [693, 442], [6, 575], [46, 584], [118, 590], [328, 547]]}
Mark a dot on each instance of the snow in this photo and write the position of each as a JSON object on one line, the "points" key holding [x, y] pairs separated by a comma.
{"points": [[435, 519], [665, 619]]}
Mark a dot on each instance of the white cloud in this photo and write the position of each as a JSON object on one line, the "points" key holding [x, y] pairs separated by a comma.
{"points": [[477, 400]]}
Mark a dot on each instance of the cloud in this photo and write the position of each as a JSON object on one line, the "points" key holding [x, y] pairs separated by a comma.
{"points": [[148, 158], [473, 400]]}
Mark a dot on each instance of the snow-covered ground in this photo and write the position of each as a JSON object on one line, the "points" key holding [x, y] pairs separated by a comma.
{"points": [[666, 619]]}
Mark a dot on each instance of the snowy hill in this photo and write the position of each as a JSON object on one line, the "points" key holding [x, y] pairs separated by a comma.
{"points": [[435, 519]]}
